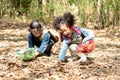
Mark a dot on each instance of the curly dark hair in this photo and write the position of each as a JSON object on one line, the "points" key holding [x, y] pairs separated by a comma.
{"points": [[57, 21], [67, 19]]}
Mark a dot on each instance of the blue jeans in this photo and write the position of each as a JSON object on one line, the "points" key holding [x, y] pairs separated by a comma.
{"points": [[44, 45], [63, 49]]}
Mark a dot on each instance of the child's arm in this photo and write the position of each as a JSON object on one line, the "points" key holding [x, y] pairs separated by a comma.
{"points": [[44, 44], [63, 50], [30, 43]]}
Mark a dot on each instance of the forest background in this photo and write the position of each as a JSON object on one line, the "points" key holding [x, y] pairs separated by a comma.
{"points": [[102, 16], [96, 14]]}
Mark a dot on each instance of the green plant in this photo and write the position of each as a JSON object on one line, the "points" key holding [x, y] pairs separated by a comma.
{"points": [[26, 54]]}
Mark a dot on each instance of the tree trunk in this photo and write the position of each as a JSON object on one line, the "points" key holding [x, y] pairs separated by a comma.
{"points": [[44, 2], [34, 6], [97, 24]]}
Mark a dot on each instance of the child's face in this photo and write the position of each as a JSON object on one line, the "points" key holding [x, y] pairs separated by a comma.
{"points": [[65, 30], [35, 32]]}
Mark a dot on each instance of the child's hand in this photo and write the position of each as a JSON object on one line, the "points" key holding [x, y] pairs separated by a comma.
{"points": [[37, 53]]}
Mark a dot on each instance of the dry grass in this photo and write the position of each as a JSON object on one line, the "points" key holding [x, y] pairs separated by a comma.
{"points": [[105, 57]]}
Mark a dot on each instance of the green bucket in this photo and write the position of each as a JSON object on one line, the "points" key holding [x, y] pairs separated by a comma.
{"points": [[26, 54]]}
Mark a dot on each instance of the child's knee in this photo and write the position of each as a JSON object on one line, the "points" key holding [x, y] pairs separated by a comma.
{"points": [[73, 47]]}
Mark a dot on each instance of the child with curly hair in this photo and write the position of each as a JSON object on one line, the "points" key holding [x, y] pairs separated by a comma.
{"points": [[74, 37]]}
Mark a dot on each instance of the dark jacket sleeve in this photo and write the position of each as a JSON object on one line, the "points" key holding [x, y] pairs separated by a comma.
{"points": [[30, 42]]}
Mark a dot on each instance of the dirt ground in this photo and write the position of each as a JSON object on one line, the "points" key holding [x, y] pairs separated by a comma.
{"points": [[13, 37]]}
